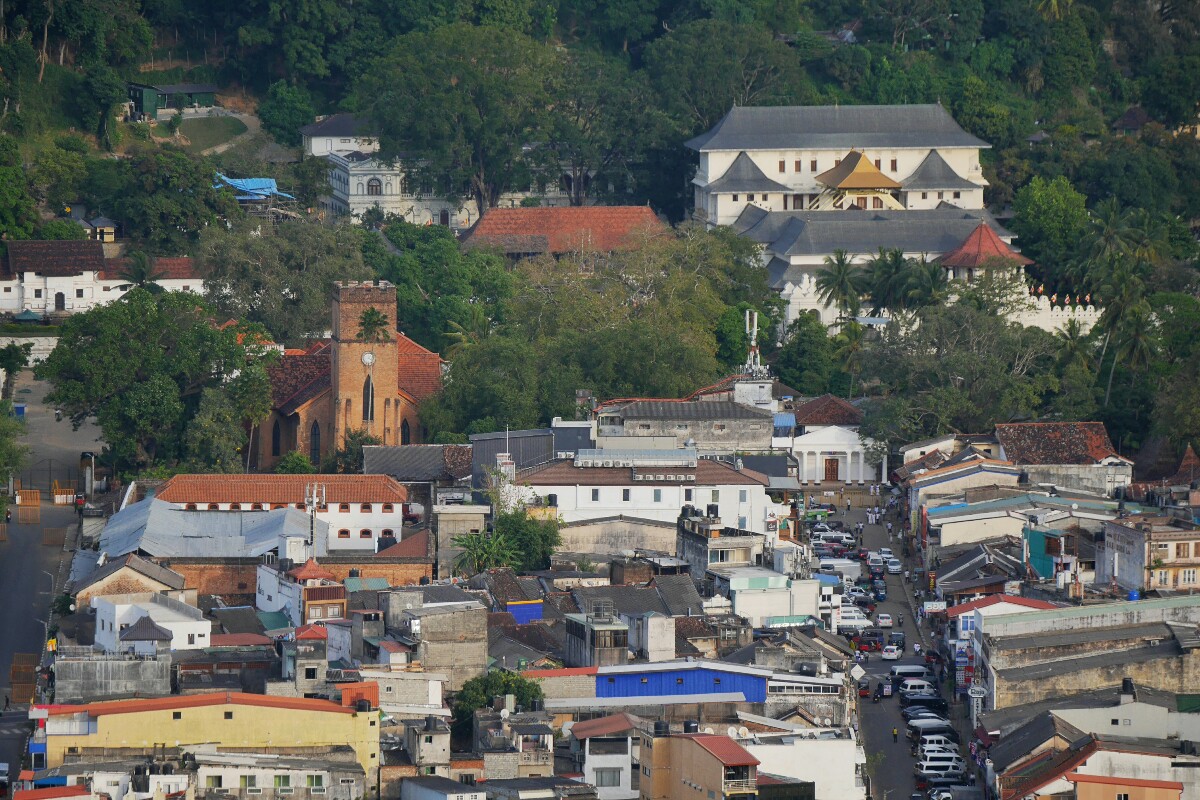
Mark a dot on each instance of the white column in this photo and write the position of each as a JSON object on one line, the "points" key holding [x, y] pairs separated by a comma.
{"points": [[862, 465], [849, 476], [802, 457], [883, 470]]}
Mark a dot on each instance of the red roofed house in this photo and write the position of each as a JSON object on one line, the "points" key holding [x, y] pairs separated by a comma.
{"points": [[982, 248], [349, 383], [67, 277], [692, 765], [822, 433], [1071, 455], [574, 229], [604, 751]]}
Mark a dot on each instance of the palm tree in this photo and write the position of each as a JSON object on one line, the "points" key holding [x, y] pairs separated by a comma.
{"points": [[1137, 342], [465, 335], [483, 551], [141, 270], [1121, 289], [928, 285], [373, 326], [850, 343], [1074, 345], [1110, 238], [887, 275], [840, 283], [1054, 10]]}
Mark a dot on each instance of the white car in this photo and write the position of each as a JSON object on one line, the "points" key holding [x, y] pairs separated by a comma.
{"points": [[891, 653], [894, 567], [883, 621], [885, 553]]}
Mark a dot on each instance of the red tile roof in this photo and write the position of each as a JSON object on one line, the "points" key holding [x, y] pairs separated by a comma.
{"points": [[54, 258], [604, 726], [565, 672], [239, 639], [708, 473], [420, 370], [1113, 780], [74, 790], [991, 600], [562, 230], [828, 410], [180, 268], [311, 633], [724, 749], [981, 246], [275, 489], [297, 379], [1189, 469], [415, 546], [311, 571], [177, 702], [1084, 443]]}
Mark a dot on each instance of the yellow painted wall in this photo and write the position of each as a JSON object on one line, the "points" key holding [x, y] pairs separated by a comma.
{"points": [[674, 759], [1107, 791], [251, 726]]}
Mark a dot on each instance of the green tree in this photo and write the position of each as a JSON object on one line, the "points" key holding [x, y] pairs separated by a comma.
{"points": [[13, 454], [805, 361], [840, 283], [478, 693], [141, 271], [294, 463], [483, 551], [1051, 219], [57, 175], [139, 366], [215, 439], [348, 458], [534, 540], [887, 280], [14, 357], [282, 279], [61, 230], [17, 213], [284, 111], [469, 105], [927, 285], [1054, 9], [103, 91]]}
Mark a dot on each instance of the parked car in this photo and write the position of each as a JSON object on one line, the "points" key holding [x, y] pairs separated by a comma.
{"points": [[891, 652], [862, 553], [894, 567], [919, 712], [930, 701], [883, 621]]}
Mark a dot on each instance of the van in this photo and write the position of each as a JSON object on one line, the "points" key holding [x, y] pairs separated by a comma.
{"points": [[930, 769], [923, 753], [917, 686], [923, 727], [954, 759], [910, 671], [932, 702], [938, 740]]}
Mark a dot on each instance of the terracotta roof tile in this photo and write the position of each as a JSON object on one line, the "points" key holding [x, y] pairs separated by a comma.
{"points": [[562, 230], [564, 672], [311, 633], [298, 378], [724, 749], [239, 639], [991, 600], [1055, 442], [177, 702], [54, 258], [982, 245], [179, 268], [49, 792], [311, 571], [604, 726], [420, 370], [277, 489], [827, 410], [415, 546]]}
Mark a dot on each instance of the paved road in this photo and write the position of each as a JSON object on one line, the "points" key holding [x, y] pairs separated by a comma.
{"points": [[25, 592]]}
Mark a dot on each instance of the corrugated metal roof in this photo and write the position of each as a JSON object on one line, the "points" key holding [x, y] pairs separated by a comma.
{"points": [[158, 529]]}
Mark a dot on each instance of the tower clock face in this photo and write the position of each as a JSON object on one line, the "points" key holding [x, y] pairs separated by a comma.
{"points": [[368, 358]]}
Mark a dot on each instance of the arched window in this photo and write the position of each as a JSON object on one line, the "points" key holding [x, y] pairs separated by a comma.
{"points": [[344, 507], [365, 508], [387, 188], [368, 404], [365, 533], [388, 532], [276, 438], [314, 443], [360, 187], [344, 533], [374, 187], [388, 508], [235, 506], [405, 433], [190, 507], [256, 506], [214, 507]]}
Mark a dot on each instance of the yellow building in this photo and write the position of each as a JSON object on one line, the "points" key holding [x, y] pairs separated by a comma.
{"points": [[229, 719], [696, 766]]}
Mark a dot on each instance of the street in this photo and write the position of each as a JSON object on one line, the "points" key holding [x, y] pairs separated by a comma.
{"points": [[27, 567]]}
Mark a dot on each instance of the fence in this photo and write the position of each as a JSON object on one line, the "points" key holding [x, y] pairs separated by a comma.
{"points": [[22, 676], [54, 537]]}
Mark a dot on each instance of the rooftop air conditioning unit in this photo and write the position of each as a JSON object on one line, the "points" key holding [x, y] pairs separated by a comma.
{"points": [[586, 462], [607, 463], [660, 477]]}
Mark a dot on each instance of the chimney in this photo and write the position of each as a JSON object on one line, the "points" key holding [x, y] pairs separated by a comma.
{"points": [[431, 723], [1128, 693]]}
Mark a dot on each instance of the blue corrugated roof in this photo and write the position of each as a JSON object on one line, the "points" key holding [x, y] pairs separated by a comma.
{"points": [[785, 419], [251, 188]]}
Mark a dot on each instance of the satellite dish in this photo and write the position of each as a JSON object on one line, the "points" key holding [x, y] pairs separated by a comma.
{"points": [[828, 722], [744, 732], [731, 732], [709, 731], [504, 713]]}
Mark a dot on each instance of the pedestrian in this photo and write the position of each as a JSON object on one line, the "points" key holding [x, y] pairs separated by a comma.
{"points": [[6, 702], [895, 734]]}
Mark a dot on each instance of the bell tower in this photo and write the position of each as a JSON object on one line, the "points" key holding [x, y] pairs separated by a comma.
{"points": [[364, 360]]}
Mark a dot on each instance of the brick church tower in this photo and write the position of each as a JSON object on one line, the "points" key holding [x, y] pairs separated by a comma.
{"points": [[364, 363]]}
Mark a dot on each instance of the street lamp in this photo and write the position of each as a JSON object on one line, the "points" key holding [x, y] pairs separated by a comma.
{"points": [[53, 581]]}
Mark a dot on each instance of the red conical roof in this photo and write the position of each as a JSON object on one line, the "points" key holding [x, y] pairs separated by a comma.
{"points": [[1189, 469], [983, 244], [311, 571]]}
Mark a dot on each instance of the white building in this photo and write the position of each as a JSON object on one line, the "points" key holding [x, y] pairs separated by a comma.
{"points": [[765, 597], [116, 613], [835, 764], [607, 748], [336, 133], [822, 434], [67, 277], [649, 485]]}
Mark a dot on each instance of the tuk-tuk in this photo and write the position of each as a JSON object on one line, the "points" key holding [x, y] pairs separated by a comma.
{"points": [[864, 688], [816, 515]]}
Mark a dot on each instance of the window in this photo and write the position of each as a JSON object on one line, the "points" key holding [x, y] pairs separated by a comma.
{"points": [[388, 532], [785, 202], [812, 165], [176, 715], [405, 433], [344, 533], [716, 496], [878, 164], [718, 426], [782, 165], [79, 292], [374, 187], [388, 508], [191, 638], [37, 292], [365, 508], [276, 438], [1183, 550], [283, 781], [612, 776], [228, 715], [893, 165], [625, 495], [314, 781], [310, 673], [595, 495], [957, 195], [876, 202], [248, 781], [212, 782], [368, 400], [365, 533], [742, 495], [1164, 577], [658, 495], [190, 507], [1189, 576], [214, 507], [735, 199], [235, 506], [924, 195], [1122, 796], [344, 507], [8, 289], [687, 495], [941, 195], [314, 443], [256, 507]]}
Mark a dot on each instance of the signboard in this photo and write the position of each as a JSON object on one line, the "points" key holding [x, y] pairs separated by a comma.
{"points": [[932, 581], [934, 606], [857, 672], [977, 692]]}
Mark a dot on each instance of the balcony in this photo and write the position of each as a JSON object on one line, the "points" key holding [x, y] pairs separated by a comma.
{"points": [[740, 786]]}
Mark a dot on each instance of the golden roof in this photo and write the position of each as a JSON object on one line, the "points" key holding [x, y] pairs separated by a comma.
{"points": [[856, 172]]}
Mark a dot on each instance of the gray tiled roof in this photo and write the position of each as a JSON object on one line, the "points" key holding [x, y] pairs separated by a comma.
{"points": [[1039, 730], [145, 630], [695, 409], [678, 593], [842, 127], [807, 233], [935, 174], [339, 125], [628, 600], [167, 577], [416, 462], [744, 175]]}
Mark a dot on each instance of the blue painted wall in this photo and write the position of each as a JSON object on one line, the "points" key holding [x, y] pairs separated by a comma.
{"points": [[528, 611], [683, 681]]}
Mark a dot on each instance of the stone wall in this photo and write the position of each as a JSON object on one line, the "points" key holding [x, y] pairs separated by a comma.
{"points": [[1093, 479], [455, 644], [561, 687], [1175, 674], [42, 345], [611, 536], [87, 680]]}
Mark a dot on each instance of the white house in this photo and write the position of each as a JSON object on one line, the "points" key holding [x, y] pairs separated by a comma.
{"points": [[822, 434], [188, 628], [359, 509], [67, 277], [339, 133], [649, 485], [608, 749]]}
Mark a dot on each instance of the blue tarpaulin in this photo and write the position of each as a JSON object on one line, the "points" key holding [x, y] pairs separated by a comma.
{"points": [[251, 188]]}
